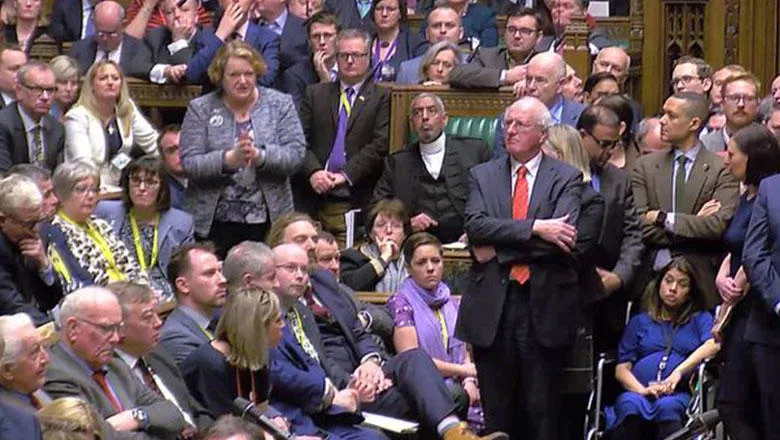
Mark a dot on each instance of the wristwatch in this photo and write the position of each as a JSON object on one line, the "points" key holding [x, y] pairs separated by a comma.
{"points": [[141, 417], [660, 220]]}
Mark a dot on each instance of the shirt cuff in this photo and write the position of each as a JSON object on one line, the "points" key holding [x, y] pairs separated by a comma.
{"points": [[349, 181], [375, 356], [669, 223], [47, 275], [328, 394], [177, 46], [502, 77], [157, 75], [777, 308]]}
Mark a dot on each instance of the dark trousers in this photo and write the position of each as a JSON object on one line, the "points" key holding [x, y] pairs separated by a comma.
{"points": [[225, 235], [519, 380], [637, 428], [419, 391]]}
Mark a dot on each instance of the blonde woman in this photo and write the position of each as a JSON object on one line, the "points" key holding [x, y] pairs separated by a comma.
{"points": [[566, 143], [70, 418], [105, 124], [66, 73], [438, 62], [25, 26]]}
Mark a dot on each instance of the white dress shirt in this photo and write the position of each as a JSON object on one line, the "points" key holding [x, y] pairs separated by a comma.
{"points": [[114, 55], [532, 170], [433, 155]]}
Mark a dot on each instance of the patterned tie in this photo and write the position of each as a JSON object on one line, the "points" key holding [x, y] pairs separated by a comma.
{"points": [[294, 321], [146, 373], [679, 182], [520, 272], [318, 309], [338, 155], [100, 378], [37, 158]]}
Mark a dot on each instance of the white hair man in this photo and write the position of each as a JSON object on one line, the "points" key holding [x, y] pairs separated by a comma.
{"points": [[27, 282], [23, 362]]}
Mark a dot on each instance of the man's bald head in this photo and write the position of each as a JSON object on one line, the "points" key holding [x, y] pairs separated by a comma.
{"points": [[285, 251], [545, 76], [108, 25], [614, 60], [109, 10]]}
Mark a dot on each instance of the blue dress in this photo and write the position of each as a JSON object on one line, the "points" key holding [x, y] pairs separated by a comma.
{"points": [[643, 344]]}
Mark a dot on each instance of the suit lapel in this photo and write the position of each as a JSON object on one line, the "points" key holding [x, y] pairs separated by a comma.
{"points": [[334, 102], [364, 94], [504, 190], [695, 182], [663, 182], [450, 170], [542, 185], [20, 138]]}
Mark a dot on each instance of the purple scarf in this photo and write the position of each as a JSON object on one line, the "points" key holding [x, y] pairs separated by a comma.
{"points": [[424, 304]]}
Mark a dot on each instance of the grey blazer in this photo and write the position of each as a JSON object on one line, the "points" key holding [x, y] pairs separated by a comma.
{"points": [[181, 335], [209, 130], [176, 228], [483, 71], [67, 376], [714, 141]]}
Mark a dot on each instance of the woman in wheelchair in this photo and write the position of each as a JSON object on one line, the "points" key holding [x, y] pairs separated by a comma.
{"points": [[657, 351]]}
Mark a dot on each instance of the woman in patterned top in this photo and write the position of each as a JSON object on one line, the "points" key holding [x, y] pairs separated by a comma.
{"points": [[145, 221], [83, 249]]}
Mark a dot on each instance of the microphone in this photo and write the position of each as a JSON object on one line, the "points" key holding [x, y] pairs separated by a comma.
{"points": [[247, 410], [699, 425]]}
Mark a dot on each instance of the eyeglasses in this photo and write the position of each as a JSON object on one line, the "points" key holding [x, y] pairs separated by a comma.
{"points": [[38, 91], [357, 56], [81, 190], [605, 144], [150, 183], [107, 34], [28, 225], [293, 268], [106, 329], [735, 99], [523, 31], [684, 80]]}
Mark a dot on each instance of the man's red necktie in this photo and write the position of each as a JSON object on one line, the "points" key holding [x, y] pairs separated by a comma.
{"points": [[520, 272]]}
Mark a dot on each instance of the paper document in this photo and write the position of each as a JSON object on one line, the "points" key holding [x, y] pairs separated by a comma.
{"points": [[349, 219], [398, 426]]}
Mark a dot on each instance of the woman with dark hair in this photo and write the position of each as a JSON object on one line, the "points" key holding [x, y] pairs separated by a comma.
{"points": [[658, 349], [424, 315], [598, 85], [753, 153], [379, 265], [627, 151], [393, 42], [145, 221]]}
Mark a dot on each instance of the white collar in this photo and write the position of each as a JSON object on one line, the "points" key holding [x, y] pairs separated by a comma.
{"points": [[356, 87], [243, 29], [435, 147], [28, 122], [129, 359], [531, 166]]}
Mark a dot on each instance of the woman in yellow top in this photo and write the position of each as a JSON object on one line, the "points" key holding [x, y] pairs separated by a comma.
{"points": [[83, 249]]}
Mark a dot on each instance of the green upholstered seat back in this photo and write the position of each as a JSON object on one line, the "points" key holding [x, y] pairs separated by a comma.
{"points": [[479, 127]]}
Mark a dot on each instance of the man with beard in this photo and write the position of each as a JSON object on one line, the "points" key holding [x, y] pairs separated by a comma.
{"points": [[740, 106], [430, 176], [619, 250]]}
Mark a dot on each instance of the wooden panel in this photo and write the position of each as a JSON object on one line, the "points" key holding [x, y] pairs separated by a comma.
{"points": [[146, 94], [757, 37]]}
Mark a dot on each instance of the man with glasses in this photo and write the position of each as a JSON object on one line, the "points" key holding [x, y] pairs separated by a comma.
{"points": [[346, 126], [28, 133], [443, 24], [110, 42], [684, 197], [618, 252], [616, 61], [741, 95], [430, 176], [500, 66], [83, 365], [691, 75], [27, 281]]}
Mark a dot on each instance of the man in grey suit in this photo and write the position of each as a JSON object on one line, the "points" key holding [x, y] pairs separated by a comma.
{"points": [[196, 276], [24, 360], [444, 24], [740, 106], [12, 58], [501, 66], [28, 133], [150, 364], [83, 365]]}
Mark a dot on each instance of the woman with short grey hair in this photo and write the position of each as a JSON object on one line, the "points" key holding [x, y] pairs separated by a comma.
{"points": [[438, 62], [84, 249]]}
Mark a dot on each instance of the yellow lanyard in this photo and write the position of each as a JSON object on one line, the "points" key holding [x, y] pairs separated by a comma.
{"points": [[345, 103], [208, 333], [139, 248], [445, 336], [114, 274], [300, 335]]}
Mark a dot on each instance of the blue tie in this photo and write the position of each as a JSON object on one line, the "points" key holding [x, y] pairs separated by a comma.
{"points": [[90, 30], [338, 156]]}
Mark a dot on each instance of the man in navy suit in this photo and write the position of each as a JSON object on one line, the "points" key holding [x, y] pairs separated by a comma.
{"points": [[71, 20], [110, 42], [16, 423], [196, 276], [354, 14], [761, 261], [277, 18], [522, 304]]}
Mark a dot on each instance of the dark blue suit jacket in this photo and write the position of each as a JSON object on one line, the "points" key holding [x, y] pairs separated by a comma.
{"points": [[21, 288], [16, 423], [295, 80], [294, 46], [479, 22], [761, 260], [66, 20], [348, 14], [556, 300]]}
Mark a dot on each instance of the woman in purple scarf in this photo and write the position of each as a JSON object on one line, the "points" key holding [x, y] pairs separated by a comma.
{"points": [[424, 315]]}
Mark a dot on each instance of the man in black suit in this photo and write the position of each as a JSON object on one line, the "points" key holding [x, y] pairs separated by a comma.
{"points": [[321, 29], [346, 126], [294, 46], [110, 42], [430, 176], [500, 66], [522, 304], [154, 367], [176, 43], [28, 133], [12, 58], [618, 254], [562, 13], [27, 282], [71, 20], [83, 366], [354, 14]]}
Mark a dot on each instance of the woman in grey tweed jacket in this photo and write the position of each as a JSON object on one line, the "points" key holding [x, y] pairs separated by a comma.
{"points": [[239, 146]]}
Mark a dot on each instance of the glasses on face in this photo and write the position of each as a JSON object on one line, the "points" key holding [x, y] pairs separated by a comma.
{"points": [[106, 329], [149, 183], [293, 268], [518, 125], [107, 34], [735, 99], [684, 80], [357, 56], [38, 91], [28, 225], [523, 31], [605, 144], [80, 190]]}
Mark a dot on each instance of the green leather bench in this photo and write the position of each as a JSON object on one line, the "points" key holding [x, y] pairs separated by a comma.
{"points": [[479, 127]]}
